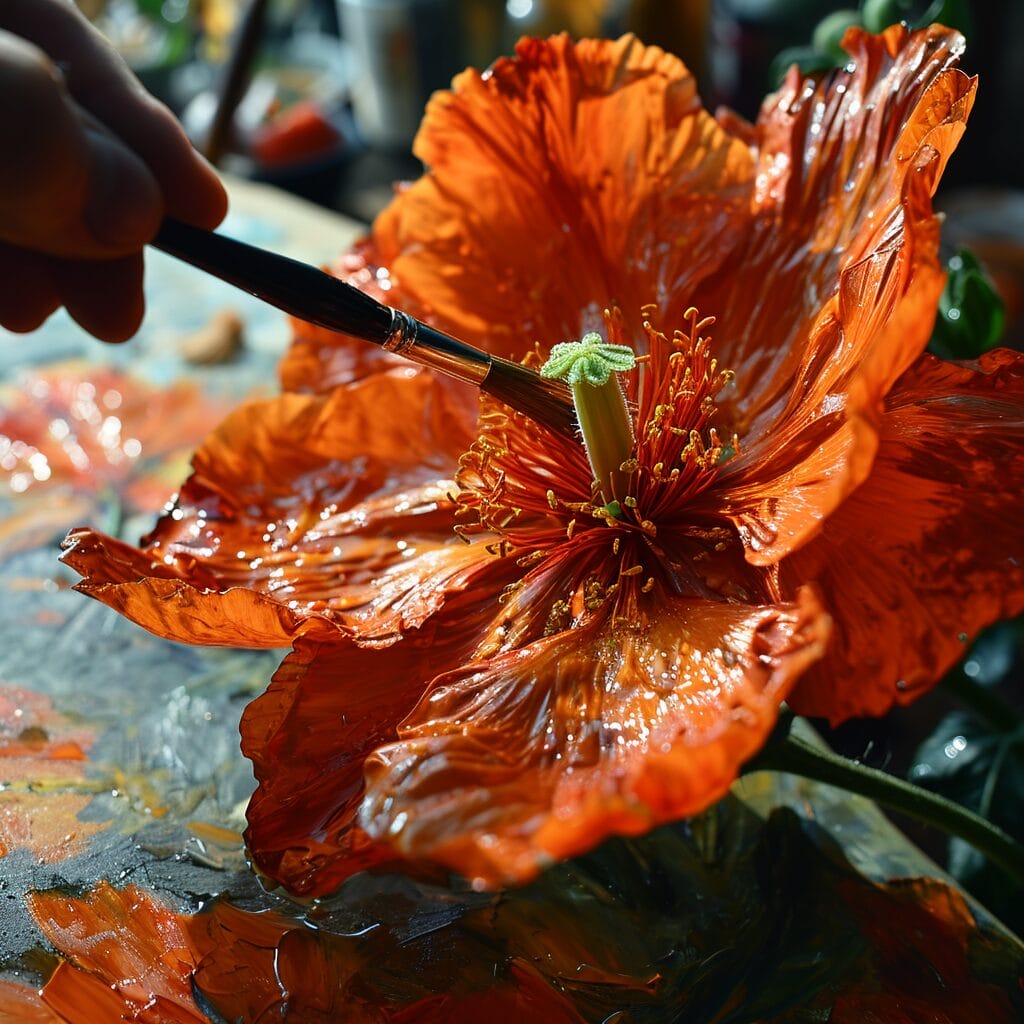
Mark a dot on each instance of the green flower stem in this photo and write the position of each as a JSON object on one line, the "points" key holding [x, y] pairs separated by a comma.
{"points": [[607, 433], [791, 754]]}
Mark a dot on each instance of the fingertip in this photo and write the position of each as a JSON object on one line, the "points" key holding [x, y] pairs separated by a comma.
{"points": [[28, 317], [124, 205], [104, 298], [207, 206], [216, 201], [192, 189], [28, 296], [205, 202]]}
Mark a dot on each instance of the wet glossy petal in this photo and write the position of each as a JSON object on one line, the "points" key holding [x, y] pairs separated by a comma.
{"points": [[127, 957], [832, 291], [568, 178], [303, 506], [538, 754], [329, 705], [930, 549]]}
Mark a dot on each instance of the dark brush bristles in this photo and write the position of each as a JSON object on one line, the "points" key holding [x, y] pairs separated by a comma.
{"points": [[547, 401]]}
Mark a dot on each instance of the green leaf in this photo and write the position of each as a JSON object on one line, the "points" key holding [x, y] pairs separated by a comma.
{"points": [[829, 32], [971, 314], [807, 58], [981, 767], [880, 14]]}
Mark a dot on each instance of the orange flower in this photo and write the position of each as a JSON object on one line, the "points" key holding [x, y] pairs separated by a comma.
{"points": [[583, 667]]}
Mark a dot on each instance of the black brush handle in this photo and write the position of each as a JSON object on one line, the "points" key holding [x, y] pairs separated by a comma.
{"points": [[294, 287]]}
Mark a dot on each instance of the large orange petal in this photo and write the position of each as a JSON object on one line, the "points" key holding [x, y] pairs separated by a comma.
{"points": [[539, 754], [567, 178], [127, 958], [930, 549], [301, 506], [833, 291], [328, 706]]}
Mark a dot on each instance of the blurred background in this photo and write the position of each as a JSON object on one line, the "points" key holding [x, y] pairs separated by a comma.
{"points": [[323, 97]]}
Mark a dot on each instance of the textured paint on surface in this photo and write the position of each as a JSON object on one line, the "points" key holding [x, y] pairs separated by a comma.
{"points": [[43, 782], [687, 923]]}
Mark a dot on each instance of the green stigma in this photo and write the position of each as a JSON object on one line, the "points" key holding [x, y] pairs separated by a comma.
{"points": [[590, 359], [588, 366]]}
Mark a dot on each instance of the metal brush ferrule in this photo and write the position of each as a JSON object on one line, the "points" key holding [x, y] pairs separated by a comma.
{"points": [[414, 340], [402, 334]]}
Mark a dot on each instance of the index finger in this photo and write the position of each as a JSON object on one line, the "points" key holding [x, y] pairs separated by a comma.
{"points": [[101, 82]]}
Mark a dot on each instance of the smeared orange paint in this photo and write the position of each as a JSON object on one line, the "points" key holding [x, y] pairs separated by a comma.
{"points": [[911, 923], [42, 769], [128, 958], [127, 954], [31, 728]]}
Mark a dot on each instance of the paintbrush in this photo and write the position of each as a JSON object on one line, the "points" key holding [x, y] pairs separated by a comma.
{"points": [[312, 295]]}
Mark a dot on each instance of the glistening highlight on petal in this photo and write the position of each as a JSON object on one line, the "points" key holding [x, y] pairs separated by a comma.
{"points": [[930, 549], [604, 729]]}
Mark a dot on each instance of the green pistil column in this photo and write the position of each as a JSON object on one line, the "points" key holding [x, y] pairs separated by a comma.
{"points": [[589, 366]]}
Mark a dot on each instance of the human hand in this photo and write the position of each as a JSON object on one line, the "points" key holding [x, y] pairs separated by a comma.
{"points": [[89, 165]]}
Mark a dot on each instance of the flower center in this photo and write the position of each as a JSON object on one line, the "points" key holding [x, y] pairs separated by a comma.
{"points": [[589, 367], [650, 450]]}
